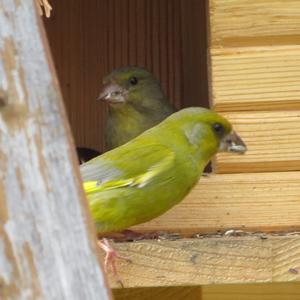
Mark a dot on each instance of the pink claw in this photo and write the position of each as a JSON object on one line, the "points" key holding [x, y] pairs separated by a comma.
{"points": [[110, 258]]}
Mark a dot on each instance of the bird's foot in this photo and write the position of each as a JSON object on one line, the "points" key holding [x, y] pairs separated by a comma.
{"points": [[110, 259]]}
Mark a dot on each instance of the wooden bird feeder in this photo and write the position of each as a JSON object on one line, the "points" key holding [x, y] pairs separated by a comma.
{"points": [[237, 235]]}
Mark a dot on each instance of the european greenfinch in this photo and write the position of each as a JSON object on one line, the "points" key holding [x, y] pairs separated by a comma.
{"points": [[136, 103], [142, 179], [145, 177]]}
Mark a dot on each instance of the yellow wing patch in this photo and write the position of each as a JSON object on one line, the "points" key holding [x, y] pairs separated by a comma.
{"points": [[139, 181]]}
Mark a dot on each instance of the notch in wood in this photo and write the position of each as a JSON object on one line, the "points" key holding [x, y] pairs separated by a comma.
{"points": [[3, 98]]}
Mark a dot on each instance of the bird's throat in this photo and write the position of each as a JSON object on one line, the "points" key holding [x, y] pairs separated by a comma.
{"points": [[125, 123]]}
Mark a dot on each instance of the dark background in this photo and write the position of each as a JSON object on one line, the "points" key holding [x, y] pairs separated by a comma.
{"points": [[89, 38]]}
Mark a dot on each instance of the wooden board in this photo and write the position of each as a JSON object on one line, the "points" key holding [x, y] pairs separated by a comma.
{"points": [[253, 78], [274, 291], [261, 291], [254, 23], [261, 201], [272, 138], [47, 240], [159, 293], [209, 261]]}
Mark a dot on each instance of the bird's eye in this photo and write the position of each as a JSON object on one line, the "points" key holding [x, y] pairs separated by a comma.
{"points": [[218, 128], [133, 80]]}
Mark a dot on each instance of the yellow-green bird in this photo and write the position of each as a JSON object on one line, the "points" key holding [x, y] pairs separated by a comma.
{"points": [[147, 176], [136, 103]]}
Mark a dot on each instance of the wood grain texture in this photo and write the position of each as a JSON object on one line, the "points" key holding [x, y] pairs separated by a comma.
{"points": [[254, 23], [273, 141], [255, 78], [273, 291], [89, 39], [209, 261], [159, 293], [261, 291], [47, 242], [250, 201]]}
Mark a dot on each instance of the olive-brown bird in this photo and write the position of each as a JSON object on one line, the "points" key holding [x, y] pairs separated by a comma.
{"points": [[136, 103]]}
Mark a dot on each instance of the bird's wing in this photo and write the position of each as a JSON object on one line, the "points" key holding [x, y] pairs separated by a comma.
{"points": [[124, 168]]}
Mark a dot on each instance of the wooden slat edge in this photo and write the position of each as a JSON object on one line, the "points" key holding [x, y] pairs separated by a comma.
{"points": [[273, 142], [255, 78], [209, 261], [258, 201], [254, 291], [254, 22]]}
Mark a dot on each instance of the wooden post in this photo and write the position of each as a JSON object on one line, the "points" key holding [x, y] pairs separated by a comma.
{"points": [[47, 244]]}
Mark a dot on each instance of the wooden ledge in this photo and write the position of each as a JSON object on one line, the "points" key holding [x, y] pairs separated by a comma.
{"points": [[249, 201], [188, 262], [258, 291]]}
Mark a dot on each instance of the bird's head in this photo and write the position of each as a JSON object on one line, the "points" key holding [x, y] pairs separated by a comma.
{"points": [[130, 85], [208, 132]]}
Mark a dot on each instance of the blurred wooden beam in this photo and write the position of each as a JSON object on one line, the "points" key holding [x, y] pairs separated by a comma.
{"points": [[47, 242]]}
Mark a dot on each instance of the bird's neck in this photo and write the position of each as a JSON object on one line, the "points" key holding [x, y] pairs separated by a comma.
{"points": [[128, 113], [125, 123], [145, 109], [194, 141]]}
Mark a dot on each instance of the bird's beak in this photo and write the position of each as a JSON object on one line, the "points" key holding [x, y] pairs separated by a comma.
{"points": [[233, 143], [112, 93]]}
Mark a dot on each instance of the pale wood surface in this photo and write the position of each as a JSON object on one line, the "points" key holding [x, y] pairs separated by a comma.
{"points": [[261, 291], [258, 201], [47, 244], [254, 78], [247, 22], [209, 261], [272, 138]]}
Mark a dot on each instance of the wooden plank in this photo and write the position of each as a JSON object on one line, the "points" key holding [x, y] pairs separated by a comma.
{"points": [[274, 291], [273, 141], [47, 242], [253, 23], [261, 291], [161, 293], [255, 78], [222, 260], [260, 201]]}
